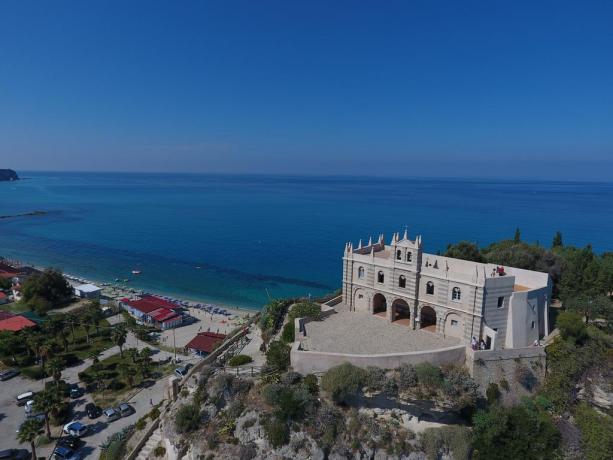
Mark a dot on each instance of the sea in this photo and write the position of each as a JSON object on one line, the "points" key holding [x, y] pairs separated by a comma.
{"points": [[239, 240]]}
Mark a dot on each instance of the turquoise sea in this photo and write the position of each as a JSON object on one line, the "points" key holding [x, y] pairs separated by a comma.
{"points": [[236, 240]]}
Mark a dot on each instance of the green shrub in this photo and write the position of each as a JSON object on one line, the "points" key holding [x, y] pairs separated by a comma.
{"points": [[154, 413], [305, 310], [159, 451], [277, 355], [596, 432], [492, 393], [504, 384], [407, 377], [454, 439], [375, 379], [343, 382], [239, 360], [310, 382], [428, 375], [277, 432], [571, 325], [289, 332], [187, 418], [140, 424]]}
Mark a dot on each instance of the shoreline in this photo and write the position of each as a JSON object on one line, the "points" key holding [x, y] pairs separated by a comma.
{"points": [[116, 291]]}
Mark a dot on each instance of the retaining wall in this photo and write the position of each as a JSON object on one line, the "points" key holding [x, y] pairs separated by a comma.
{"points": [[307, 362]]}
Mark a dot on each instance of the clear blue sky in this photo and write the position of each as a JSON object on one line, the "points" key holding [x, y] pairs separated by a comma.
{"points": [[416, 88]]}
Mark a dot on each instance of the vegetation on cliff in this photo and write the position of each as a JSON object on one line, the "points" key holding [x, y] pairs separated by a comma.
{"points": [[8, 175]]}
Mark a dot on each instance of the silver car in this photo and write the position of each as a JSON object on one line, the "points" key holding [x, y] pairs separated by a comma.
{"points": [[111, 414]]}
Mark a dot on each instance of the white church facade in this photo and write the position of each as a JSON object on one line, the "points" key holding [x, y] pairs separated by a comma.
{"points": [[503, 306]]}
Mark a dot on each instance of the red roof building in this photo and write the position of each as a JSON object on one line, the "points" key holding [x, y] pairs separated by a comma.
{"points": [[205, 342], [16, 323], [150, 312]]}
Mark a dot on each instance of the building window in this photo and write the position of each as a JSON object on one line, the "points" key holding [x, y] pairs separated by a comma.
{"points": [[500, 302], [402, 281], [399, 255], [532, 326], [430, 288], [456, 293], [361, 272], [409, 256], [454, 322], [380, 277]]}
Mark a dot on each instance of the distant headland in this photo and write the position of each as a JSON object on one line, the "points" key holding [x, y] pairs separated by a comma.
{"points": [[8, 175]]}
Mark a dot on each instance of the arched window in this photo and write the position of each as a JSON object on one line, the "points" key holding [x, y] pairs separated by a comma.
{"points": [[398, 254], [402, 281], [409, 256], [456, 293], [361, 272], [380, 277], [430, 288]]}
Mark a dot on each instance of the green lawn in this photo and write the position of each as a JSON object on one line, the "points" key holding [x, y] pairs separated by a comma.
{"points": [[15, 307]]}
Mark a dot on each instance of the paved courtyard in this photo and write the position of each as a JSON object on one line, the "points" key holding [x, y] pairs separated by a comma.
{"points": [[357, 333]]}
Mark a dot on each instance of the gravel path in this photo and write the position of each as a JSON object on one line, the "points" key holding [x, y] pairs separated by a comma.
{"points": [[349, 332]]}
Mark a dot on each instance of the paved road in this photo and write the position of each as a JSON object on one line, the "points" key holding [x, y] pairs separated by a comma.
{"points": [[11, 416]]}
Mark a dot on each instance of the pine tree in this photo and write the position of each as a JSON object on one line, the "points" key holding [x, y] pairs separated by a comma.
{"points": [[557, 240]]}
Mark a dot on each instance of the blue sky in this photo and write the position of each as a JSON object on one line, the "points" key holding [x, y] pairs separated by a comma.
{"points": [[418, 88]]}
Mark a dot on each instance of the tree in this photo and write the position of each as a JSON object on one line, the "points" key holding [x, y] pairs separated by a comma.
{"points": [[94, 315], [571, 326], [343, 382], [557, 240], [277, 355], [464, 250], [46, 402], [517, 236], [591, 308], [28, 432], [55, 366], [119, 336], [516, 432], [126, 373], [187, 418], [9, 344], [49, 285]]}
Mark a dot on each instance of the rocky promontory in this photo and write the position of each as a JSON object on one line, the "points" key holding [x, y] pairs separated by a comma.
{"points": [[8, 175]]}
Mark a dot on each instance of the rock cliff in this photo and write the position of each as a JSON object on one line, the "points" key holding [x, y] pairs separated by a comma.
{"points": [[8, 175]]}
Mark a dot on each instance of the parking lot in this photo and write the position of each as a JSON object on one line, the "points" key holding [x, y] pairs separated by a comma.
{"points": [[142, 400]]}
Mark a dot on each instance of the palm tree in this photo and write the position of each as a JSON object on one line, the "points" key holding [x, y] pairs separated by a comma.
{"points": [[119, 335], [95, 315], [9, 344], [28, 432], [71, 323], [132, 354], [55, 366], [126, 373], [46, 402]]}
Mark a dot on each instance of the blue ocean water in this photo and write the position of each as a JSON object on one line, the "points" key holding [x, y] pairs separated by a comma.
{"points": [[236, 240]]}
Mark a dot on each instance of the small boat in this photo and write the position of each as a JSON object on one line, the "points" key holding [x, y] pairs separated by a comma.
{"points": [[136, 272]]}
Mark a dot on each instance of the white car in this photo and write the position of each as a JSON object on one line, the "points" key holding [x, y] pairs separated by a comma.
{"points": [[76, 429]]}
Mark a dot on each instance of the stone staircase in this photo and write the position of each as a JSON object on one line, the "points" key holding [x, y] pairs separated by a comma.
{"points": [[146, 453]]}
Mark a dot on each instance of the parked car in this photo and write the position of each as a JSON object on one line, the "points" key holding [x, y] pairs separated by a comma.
{"points": [[23, 398], [29, 407], [76, 392], [64, 453], [93, 411], [15, 454], [70, 442], [111, 414], [182, 371], [125, 409], [76, 429], [8, 374]]}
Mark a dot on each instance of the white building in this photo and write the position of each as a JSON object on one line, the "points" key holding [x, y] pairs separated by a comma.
{"points": [[87, 291], [503, 306]]}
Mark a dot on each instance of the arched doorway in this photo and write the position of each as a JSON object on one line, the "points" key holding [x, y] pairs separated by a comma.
{"points": [[427, 319], [454, 326], [401, 312], [379, 305]]}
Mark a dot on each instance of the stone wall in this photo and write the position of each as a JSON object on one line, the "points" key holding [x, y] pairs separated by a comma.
{"points": [[522, 368], [307, 362]]}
